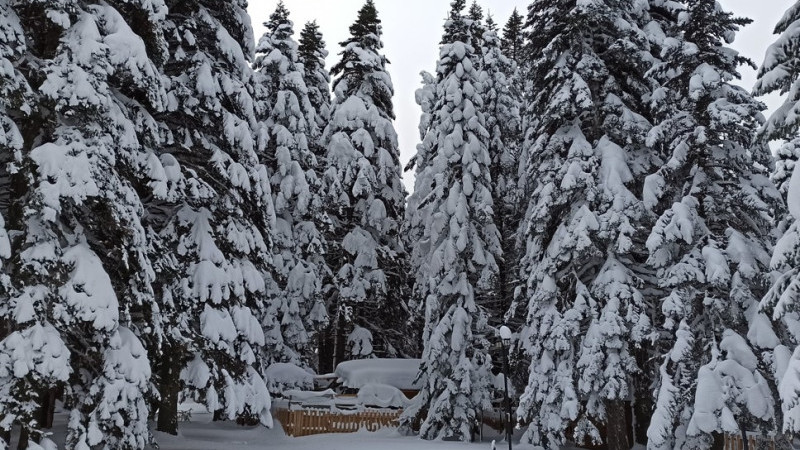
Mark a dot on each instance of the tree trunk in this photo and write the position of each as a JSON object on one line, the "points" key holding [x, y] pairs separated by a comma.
{"points": [[643, 412], [616, 425], [47, 408], [5, 436], [24, 436], [325, 350], [169, 388], [339, 341]]}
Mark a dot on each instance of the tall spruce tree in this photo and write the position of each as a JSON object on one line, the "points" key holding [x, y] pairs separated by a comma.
{"points": [[582, 236], [214, 220], [711, 243], [22, 384], [366, 197], [503, 122], [311, 55], [426, 98], [81, 280], [779, 73], [451, 210], [299, 246], [513, 41], [477, 28]]}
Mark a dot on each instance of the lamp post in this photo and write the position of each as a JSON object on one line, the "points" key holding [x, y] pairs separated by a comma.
{"points": [[505, 343]]}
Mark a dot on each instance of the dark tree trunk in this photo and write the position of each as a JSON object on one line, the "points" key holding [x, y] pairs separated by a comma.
{"points": [[219, 416], [24, 437], [169, 388], [325, 350], [5, 436], [617, 425], [338, 338], [643, 411], [48, 408], [339, 341]]}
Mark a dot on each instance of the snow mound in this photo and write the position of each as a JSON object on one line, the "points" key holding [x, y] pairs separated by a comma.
{"points": [[382, 396], [399, 373], [281, 377]]}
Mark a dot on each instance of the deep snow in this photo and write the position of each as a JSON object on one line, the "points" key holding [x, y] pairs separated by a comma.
{"points": [[203, 434]]}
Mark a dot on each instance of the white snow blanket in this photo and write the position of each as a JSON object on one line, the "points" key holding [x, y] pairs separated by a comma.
{"points": [[399, 373], [284, 376], [309, 395], [382, 396]]}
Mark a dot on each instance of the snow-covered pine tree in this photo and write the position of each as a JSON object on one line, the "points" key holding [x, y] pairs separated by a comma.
{"points": [[503, 122], [426, 98], [19, 388], [214, 220], [513, 42], [459, 244], [81, 277], [476, 29], [366, 199], [712, 241], [779, 73], [582, 236], [299, 247], [312, 54]]}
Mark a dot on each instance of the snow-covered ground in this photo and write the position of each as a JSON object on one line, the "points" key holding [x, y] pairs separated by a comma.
{"points": [[202, 435]]}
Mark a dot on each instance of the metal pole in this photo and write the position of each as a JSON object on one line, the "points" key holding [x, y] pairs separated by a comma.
{"points": [[509, 425]]}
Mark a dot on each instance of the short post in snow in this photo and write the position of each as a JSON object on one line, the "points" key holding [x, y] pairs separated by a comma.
{"points": [[505, 342]]}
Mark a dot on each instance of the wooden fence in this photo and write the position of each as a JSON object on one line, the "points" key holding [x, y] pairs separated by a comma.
{"points": [[735, 442], [305, 422]]}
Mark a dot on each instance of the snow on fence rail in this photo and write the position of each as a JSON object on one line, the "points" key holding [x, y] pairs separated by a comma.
{"points": [[735, 442], [305, 422]]}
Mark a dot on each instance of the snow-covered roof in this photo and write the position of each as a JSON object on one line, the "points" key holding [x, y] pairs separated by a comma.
{"points": [[399, 373], [382, 396]]}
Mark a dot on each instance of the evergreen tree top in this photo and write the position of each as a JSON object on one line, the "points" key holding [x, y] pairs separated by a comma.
{"points": [[280, 30], [362, 69], [312, 50], [708, 27], [491, 25], [278, 17], [512, 41], [456, 28], [475, 12], [367, 28], [704, 65]]}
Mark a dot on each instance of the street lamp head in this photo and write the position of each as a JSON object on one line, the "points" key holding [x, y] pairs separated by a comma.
{"points": [[505, 335]]}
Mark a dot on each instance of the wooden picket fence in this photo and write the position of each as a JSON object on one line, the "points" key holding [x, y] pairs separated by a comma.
{"points": [[735, 442], [305, 422]]}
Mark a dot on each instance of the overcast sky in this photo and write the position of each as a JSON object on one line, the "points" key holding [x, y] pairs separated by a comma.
{"points": [[412, 30]]}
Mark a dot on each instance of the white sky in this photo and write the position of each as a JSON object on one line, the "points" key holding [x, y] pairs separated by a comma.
{"points": [[412, 30]]}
